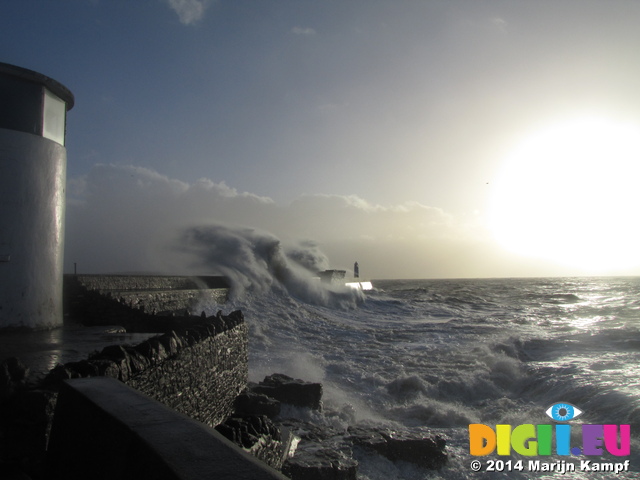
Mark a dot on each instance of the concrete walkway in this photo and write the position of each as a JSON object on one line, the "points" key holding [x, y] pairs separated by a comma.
{"points": [[103, 429]]}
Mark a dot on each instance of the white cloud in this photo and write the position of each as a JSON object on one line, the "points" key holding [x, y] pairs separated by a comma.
{"points": [[189, 11], [129, 218], [500, 24], [303, 31]]}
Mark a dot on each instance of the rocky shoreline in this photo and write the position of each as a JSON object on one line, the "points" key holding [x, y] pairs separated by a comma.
{"points": [[310, 451], [199, 367]]}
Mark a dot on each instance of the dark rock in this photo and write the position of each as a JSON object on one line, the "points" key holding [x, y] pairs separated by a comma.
{"points": [[159, 352], [225, 322], [17, 371], [209, 329], [170, 342], [321, 464], [56, 375], [137, 362], [291, 391], [310, 432], [368, 438], [13, 375], [231, 320], [117, 355], [257, 404], [262, 425], [426, 452], [196, 334], [106, 367], [258, 435], [228, 432], [112, 352], [204, 329], [189, 339], [150, 349], [420, 448], [83, 368]]}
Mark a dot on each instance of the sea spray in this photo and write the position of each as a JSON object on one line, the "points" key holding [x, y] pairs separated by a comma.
{"points": [[445, 354], [256, 262]]}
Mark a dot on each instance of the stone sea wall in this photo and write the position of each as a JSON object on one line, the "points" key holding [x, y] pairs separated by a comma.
{"points": [[201, 379], [123, 283], [198, 368], [133, 300]]}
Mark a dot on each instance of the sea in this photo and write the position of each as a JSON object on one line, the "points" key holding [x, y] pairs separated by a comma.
{"points": [[444, 354]]}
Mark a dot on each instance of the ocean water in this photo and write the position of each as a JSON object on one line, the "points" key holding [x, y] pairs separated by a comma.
{"points": [[444, 354]]}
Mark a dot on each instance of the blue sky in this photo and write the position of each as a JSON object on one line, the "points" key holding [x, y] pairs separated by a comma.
{"points": [[388, 123]]}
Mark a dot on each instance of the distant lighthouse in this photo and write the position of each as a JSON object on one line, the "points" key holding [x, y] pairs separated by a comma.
{"points": [[356, 270], [33, 162]]}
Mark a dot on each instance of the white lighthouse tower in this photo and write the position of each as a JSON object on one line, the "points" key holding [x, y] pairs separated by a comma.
{"points": [[33, 162]]}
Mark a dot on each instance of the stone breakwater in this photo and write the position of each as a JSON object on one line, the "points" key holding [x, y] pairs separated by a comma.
{"points": [[197, 368], [200, 370], [139, 303]]}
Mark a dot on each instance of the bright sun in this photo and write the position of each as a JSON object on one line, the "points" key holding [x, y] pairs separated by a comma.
{"points": [[570, 194]]}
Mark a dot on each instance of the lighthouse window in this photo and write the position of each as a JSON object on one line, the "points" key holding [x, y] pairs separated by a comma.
{"points": [[54, 113]]}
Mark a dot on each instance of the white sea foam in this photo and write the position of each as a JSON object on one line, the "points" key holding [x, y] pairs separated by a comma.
{"points": [[444, 354], [258, 263]]}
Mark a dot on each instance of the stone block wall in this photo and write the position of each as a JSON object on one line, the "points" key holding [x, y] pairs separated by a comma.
{"points": [[197, 368], [201, 380], [133, 300], [149, 282]]}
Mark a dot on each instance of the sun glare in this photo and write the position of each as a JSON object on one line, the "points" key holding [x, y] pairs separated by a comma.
{"points": [[568, 194]]}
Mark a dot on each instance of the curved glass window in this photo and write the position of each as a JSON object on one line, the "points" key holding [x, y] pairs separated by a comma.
{"points": [[54, 113]]}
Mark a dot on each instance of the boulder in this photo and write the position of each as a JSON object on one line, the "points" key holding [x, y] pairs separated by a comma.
{"points": [[419, 447], [13, 375], [16, 370], [259, 436], [427, 452], [322, 452], [320, 464], [310, 432], [257, 404], [313, 460], [291, 391], [118, 355]]}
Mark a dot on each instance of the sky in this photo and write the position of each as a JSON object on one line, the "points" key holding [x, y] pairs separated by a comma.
{"points": [[423, 139]]}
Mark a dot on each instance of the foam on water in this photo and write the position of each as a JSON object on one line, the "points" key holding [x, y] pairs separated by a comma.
{"points": [[258, 263], [444, 354]]}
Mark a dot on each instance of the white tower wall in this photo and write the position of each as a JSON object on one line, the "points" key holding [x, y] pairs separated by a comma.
{"points": [[32, 206], [33, 163]]}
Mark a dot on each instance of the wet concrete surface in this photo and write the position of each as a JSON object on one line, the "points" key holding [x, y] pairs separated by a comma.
{"points": [[42, 350]]}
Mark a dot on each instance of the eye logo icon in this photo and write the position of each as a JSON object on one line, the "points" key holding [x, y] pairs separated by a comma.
{"points": [[530, 440], [563, 412]]}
